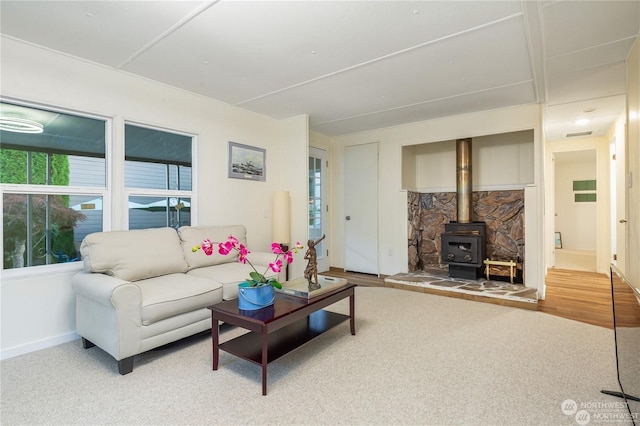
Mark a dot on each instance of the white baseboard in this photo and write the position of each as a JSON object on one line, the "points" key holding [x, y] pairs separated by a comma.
{"points": [[36, 346]]}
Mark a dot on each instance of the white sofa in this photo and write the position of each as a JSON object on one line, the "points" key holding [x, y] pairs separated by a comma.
{"points": [[142, 289]]}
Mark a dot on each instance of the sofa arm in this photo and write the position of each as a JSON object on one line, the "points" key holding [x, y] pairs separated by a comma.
{"points": [[96, 286], [108, 313]]}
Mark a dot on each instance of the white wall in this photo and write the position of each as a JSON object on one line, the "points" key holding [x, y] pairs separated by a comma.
{"points": [[500, 161], [392, 209], [294, 170], [38, 307], [320, 141]]}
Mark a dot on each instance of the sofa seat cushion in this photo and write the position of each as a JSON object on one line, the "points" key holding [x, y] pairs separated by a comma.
{"points": [[174, 294], [229, 275], [134, 255]]}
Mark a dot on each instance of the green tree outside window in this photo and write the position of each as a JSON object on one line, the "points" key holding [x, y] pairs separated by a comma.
{"points": [[48, 217]]}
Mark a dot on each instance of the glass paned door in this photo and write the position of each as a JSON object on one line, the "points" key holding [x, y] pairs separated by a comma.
{"points": [[317, 204]]}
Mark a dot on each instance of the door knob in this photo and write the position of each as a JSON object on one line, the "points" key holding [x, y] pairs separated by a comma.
{"points": [[348, 217], [623, 221]]}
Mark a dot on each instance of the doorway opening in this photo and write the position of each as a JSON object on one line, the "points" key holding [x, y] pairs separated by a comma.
{"points": [[576, 210]]}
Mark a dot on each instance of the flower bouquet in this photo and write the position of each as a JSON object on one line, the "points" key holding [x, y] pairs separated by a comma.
{"points": [[256, 279]]}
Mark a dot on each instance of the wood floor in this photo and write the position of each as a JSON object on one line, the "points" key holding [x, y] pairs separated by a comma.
{"points": [[576, 295], [586, 297]]}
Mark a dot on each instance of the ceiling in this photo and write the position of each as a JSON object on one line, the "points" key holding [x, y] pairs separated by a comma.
{"points": [[358, 65]]}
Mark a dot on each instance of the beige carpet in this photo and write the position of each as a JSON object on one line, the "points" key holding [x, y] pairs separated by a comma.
{"points": [[416, 359]]}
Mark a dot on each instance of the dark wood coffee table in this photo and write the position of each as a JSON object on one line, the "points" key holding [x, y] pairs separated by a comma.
{"points": [[277, 330]]}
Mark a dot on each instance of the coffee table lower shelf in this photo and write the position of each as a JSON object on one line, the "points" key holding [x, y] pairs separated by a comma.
{"points": [[249, 346]]}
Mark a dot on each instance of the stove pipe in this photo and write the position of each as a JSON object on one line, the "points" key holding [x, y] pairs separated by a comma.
{"points": [[463, 180]]}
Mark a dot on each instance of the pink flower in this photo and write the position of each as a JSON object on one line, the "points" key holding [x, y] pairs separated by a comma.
{"points": [[276, 266], [207, 247], [243, 252], [225, 248], [256, 279]]}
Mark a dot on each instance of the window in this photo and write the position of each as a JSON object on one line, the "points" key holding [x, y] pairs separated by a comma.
{"points": [[53, 180], [584, 191], [158, 212], [158, 177]]}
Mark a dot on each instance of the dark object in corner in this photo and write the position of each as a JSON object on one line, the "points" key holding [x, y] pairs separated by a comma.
{"points": [[502, 278], [626, 337]]}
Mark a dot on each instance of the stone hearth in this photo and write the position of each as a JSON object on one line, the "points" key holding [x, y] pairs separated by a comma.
{"points": [[437, 281]]}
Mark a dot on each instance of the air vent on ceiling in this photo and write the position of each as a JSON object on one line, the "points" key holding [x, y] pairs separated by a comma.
{"points": [[578, 134]]}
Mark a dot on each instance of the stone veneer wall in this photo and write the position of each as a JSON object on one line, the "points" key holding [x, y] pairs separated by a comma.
{"points": [[502, 211]]}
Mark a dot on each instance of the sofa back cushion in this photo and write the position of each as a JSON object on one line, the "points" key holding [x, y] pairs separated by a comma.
{"points": [[194, 235], [134, 255]]}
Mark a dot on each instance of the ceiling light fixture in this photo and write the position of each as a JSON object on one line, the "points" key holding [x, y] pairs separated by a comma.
{"points": [[20, 125], [581, 121]]}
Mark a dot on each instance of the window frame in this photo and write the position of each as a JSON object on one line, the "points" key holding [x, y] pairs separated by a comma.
{"points": [[148, 192], [34, 189], [115, 196], [576, 193]]}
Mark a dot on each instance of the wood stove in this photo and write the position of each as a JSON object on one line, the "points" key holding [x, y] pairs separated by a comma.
{"points": [[463, 243], [463, 248]]}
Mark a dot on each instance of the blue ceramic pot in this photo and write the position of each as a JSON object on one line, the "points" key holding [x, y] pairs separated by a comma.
{"points": [[252, 298]]}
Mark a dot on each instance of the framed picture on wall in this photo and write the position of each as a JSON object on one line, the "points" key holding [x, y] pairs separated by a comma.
{"points": [[558, 240], [247, 162]]}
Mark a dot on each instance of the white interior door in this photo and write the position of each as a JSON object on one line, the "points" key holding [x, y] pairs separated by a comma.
{"points": [[612, 205], [620, 199], [361, 208]]}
